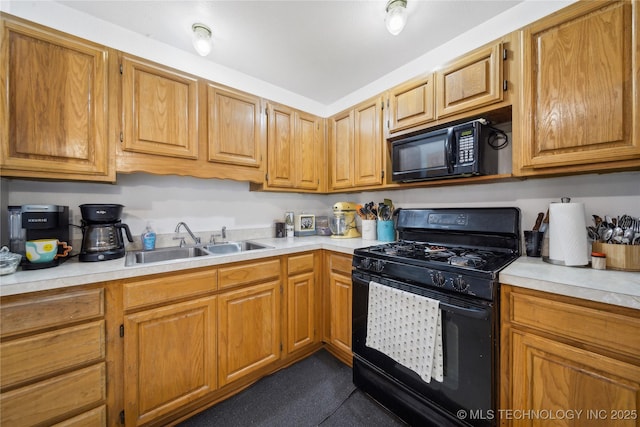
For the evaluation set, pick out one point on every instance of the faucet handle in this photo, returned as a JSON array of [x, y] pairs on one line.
[[182, 242]]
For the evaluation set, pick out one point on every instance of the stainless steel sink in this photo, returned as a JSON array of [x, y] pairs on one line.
[[163, 254], [234, 247], [211, 249]]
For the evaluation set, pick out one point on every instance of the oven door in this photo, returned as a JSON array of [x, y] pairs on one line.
[[469, 352]]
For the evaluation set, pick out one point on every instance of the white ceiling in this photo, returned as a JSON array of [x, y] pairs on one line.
[[321, 50]]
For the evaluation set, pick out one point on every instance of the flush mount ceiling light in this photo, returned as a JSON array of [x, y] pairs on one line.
[[396, 17], [201, 39]]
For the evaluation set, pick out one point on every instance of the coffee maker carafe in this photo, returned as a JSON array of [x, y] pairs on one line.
[[102, 232]]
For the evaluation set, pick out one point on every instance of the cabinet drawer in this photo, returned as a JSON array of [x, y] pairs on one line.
[[340, 263], [42, 354], [53, 398], [598, 327], [167, 288], [94, 418], [248, 273], [39, 312], [299, 263]]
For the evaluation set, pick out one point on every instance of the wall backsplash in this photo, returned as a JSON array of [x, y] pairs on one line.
[[207, 205]]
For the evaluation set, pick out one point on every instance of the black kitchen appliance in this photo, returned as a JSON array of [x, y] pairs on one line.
[[451, 256], [102, 232], [461, 150], [38, 222]]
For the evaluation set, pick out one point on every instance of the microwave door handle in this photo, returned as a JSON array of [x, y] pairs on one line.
[[448, 150]]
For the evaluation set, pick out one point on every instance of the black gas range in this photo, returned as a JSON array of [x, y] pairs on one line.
[[451, 257]]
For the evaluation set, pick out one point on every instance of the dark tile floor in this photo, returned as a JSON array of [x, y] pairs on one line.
[[317, 391]]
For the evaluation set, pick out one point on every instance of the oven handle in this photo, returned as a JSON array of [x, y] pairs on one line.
[[475, 313], [468, 312]]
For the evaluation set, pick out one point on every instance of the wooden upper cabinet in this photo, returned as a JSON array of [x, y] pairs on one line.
[[356, 146], [295, 148], [580, 103], [54, 108], [309, 146], [473, 81], [411, 104], [235, 127], [368, 143], [341, 151], [159, 110], [280, 142]]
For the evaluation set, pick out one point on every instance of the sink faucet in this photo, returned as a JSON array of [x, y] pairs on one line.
[[223, 234], [186, 227]]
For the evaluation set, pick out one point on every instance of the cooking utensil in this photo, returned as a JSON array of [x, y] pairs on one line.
[[538, 223]]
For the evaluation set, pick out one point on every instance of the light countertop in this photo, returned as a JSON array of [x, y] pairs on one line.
[[608, 286], [74, 273]]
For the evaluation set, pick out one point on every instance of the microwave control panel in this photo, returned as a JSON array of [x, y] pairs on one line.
[[466, 152]]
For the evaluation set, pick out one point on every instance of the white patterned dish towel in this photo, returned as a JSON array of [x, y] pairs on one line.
[[408, 328]]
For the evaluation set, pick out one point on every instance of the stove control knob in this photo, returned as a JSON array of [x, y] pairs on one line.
[[365, 263], [438, 279], [459, 284], [378, 266]]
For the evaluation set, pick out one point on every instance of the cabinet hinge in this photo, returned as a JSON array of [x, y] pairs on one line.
[[381, 174], [505, 85], [121, 69], [266, 177], [382, 105], [121, 137], [504, 54], [388, 125], [387, 102], [122, 330], [122, 417], [280, 347]]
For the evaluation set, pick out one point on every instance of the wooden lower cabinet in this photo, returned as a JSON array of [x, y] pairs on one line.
[[571, 357], [169, 358], [338, 306], [53, 358], [249, 330], [302, 295]]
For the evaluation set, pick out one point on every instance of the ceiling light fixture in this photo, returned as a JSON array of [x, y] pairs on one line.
[[201, 39], [396, 17]]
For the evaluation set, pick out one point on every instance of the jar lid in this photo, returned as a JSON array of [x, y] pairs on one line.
[[599, 254]]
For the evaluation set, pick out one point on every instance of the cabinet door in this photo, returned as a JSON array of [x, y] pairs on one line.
[[300, 311], [340, 311], [581, 103], [160, 108], [309, 156], [281, 136], [341, 151], [555, 377], [54, 110], [471, 82], [249, 330], [170, 358], [411, 104], [368, 143], [235, 127]]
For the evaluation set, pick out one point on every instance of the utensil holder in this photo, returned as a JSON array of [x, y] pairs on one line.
[[369, 231], [386, 231], [620, 257]]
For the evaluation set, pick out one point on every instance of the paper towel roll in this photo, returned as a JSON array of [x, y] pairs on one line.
[[567, 236]]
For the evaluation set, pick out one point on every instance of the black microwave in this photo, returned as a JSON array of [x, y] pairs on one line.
[[461, 150]]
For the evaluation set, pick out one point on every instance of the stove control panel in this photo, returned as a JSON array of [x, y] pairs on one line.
[[452, 281]]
